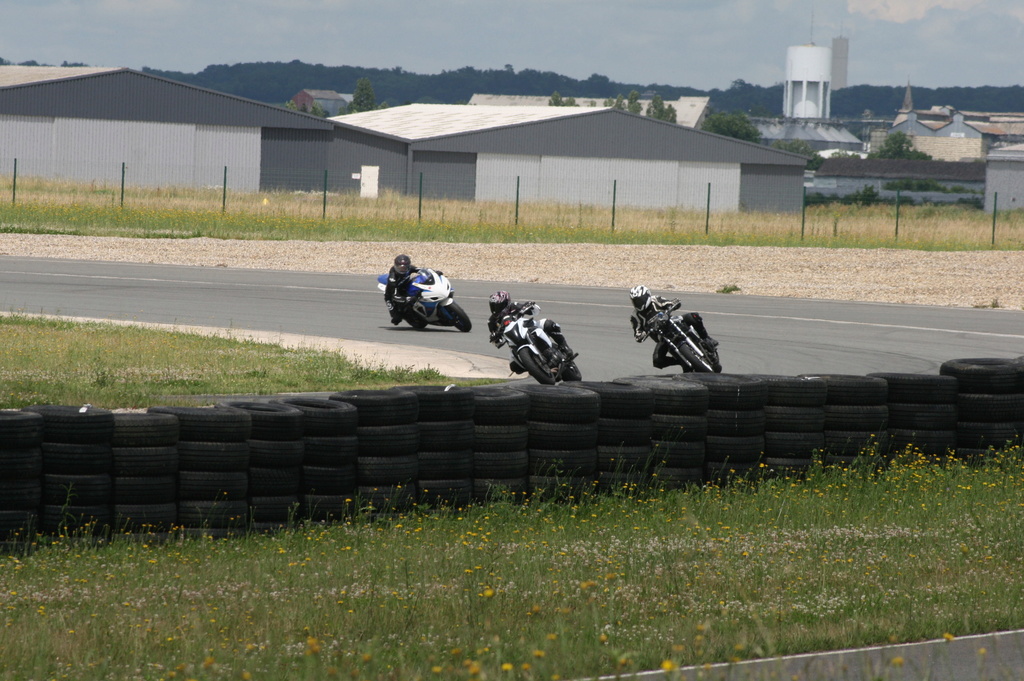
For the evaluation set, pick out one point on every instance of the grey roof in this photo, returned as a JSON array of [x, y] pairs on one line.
[[963, 171], [1014, 152], [22, 75], [326, 94], [689, 110], [424, 121], [810, 132]]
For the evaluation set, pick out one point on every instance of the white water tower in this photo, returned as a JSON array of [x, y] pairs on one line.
[[808, 77]]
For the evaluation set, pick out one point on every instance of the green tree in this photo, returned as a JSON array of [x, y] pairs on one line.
[[734, 124], [800, 147], [363, 98], [657, 110], [318, 110], [899, 145], [633, 104], [557, 100]]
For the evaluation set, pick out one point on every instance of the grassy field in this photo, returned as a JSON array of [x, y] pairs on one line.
[[65, 208], [645, 579]]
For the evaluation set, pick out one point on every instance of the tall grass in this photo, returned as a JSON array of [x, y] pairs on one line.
[[643, 579], [44, 206], [44, 361]]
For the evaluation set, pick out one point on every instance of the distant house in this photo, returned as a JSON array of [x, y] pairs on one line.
[[690, 111], [819, 135], [844, 176], [329, 100]]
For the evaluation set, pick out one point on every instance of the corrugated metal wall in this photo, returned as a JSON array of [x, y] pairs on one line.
[[350, 150], [1005, 177], [446, 175], [771, 189]]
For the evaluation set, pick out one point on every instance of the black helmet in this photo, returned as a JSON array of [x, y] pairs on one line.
[[640, 296], [499, 300], [402, 264]]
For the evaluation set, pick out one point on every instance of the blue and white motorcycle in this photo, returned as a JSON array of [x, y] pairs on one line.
[[432, 301]]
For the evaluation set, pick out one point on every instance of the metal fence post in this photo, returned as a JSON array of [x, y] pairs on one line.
[[224, 192], [14, 184], [122, 183], [323, 215], [896, 237], [615, 185], [995, 204], [803, 214], [420, 217], [707, 212], [517, 200]]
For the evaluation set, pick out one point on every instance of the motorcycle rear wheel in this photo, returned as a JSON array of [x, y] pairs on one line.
[[460, 320], [535, 368], [416, 321]]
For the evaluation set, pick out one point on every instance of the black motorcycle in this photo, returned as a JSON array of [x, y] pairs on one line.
[[534, 349], [694, 353]]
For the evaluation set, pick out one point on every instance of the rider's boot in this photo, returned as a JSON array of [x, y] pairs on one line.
[[515, 367]]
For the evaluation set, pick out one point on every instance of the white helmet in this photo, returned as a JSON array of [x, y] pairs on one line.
[[641, 296]]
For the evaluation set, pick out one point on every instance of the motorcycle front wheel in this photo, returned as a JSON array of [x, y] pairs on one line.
[[535, 368], [460, 320]]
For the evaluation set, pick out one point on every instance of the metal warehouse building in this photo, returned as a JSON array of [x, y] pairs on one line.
[[1004, 179], [592, 156], [89, 124]]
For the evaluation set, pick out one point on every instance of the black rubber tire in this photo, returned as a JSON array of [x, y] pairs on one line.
[[213, 456], [730, 472], [442, 403], [561, 403], [872, 417], [506, 464], [987, 434], [394, 440], [63, 423], [672, 396], [497, 405], [20, 494], [731, 391], [197, 513], [559, 487], [851, 443], [385, 499], [445, 493], [204, 424], [280, 509], [533, 367], [625, 459], [326, 508], [74, 458], [69, 520], [678, 478], [922, 416], [623, 482], [145, 461], [736, 422], [329, 480], [850, 389], [919, 388], [496, 490], [274, 482], [338, 450], [20, 429], [571, 463], [784, 418], [381, 407], [145, 517], [151, 489], [548, 435], [786, 467], [679, 427], [143, 429], [733, 449], [928, 442], [793, 391], [793, 445], [21, 464], [989, 407], [212, 485], [445, 465], [621, 400], [460, 319], [440, 436], [375, 471], [276, 453], [77, 489], [270, 420], [322, 417], [986, 374], [623, 432], [18, 523], [414, 320], [667, 454], [500, 438]]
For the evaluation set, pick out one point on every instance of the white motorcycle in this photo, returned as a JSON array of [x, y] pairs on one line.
[[433, 301], [535, 351]]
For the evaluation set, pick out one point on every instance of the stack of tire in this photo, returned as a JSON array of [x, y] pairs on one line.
[[445, 456], [77, 463], [990, 404], [736, 425], [794, 424], [276, 455], [922, 414], [501, 458], [387, 464], [213, 469], [856, 420], [625, 459], [145, 470], [562, 425], [679, 428], [330, 446], [21, 471]]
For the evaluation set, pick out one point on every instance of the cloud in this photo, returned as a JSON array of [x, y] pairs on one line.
[[902, 11]]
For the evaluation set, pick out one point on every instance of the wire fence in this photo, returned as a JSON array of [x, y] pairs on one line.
[[608, 203]]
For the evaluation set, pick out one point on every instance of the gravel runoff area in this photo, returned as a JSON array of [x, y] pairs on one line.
[[946, 278]]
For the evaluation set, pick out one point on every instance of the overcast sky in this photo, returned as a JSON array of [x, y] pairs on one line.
[[698, 43]]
